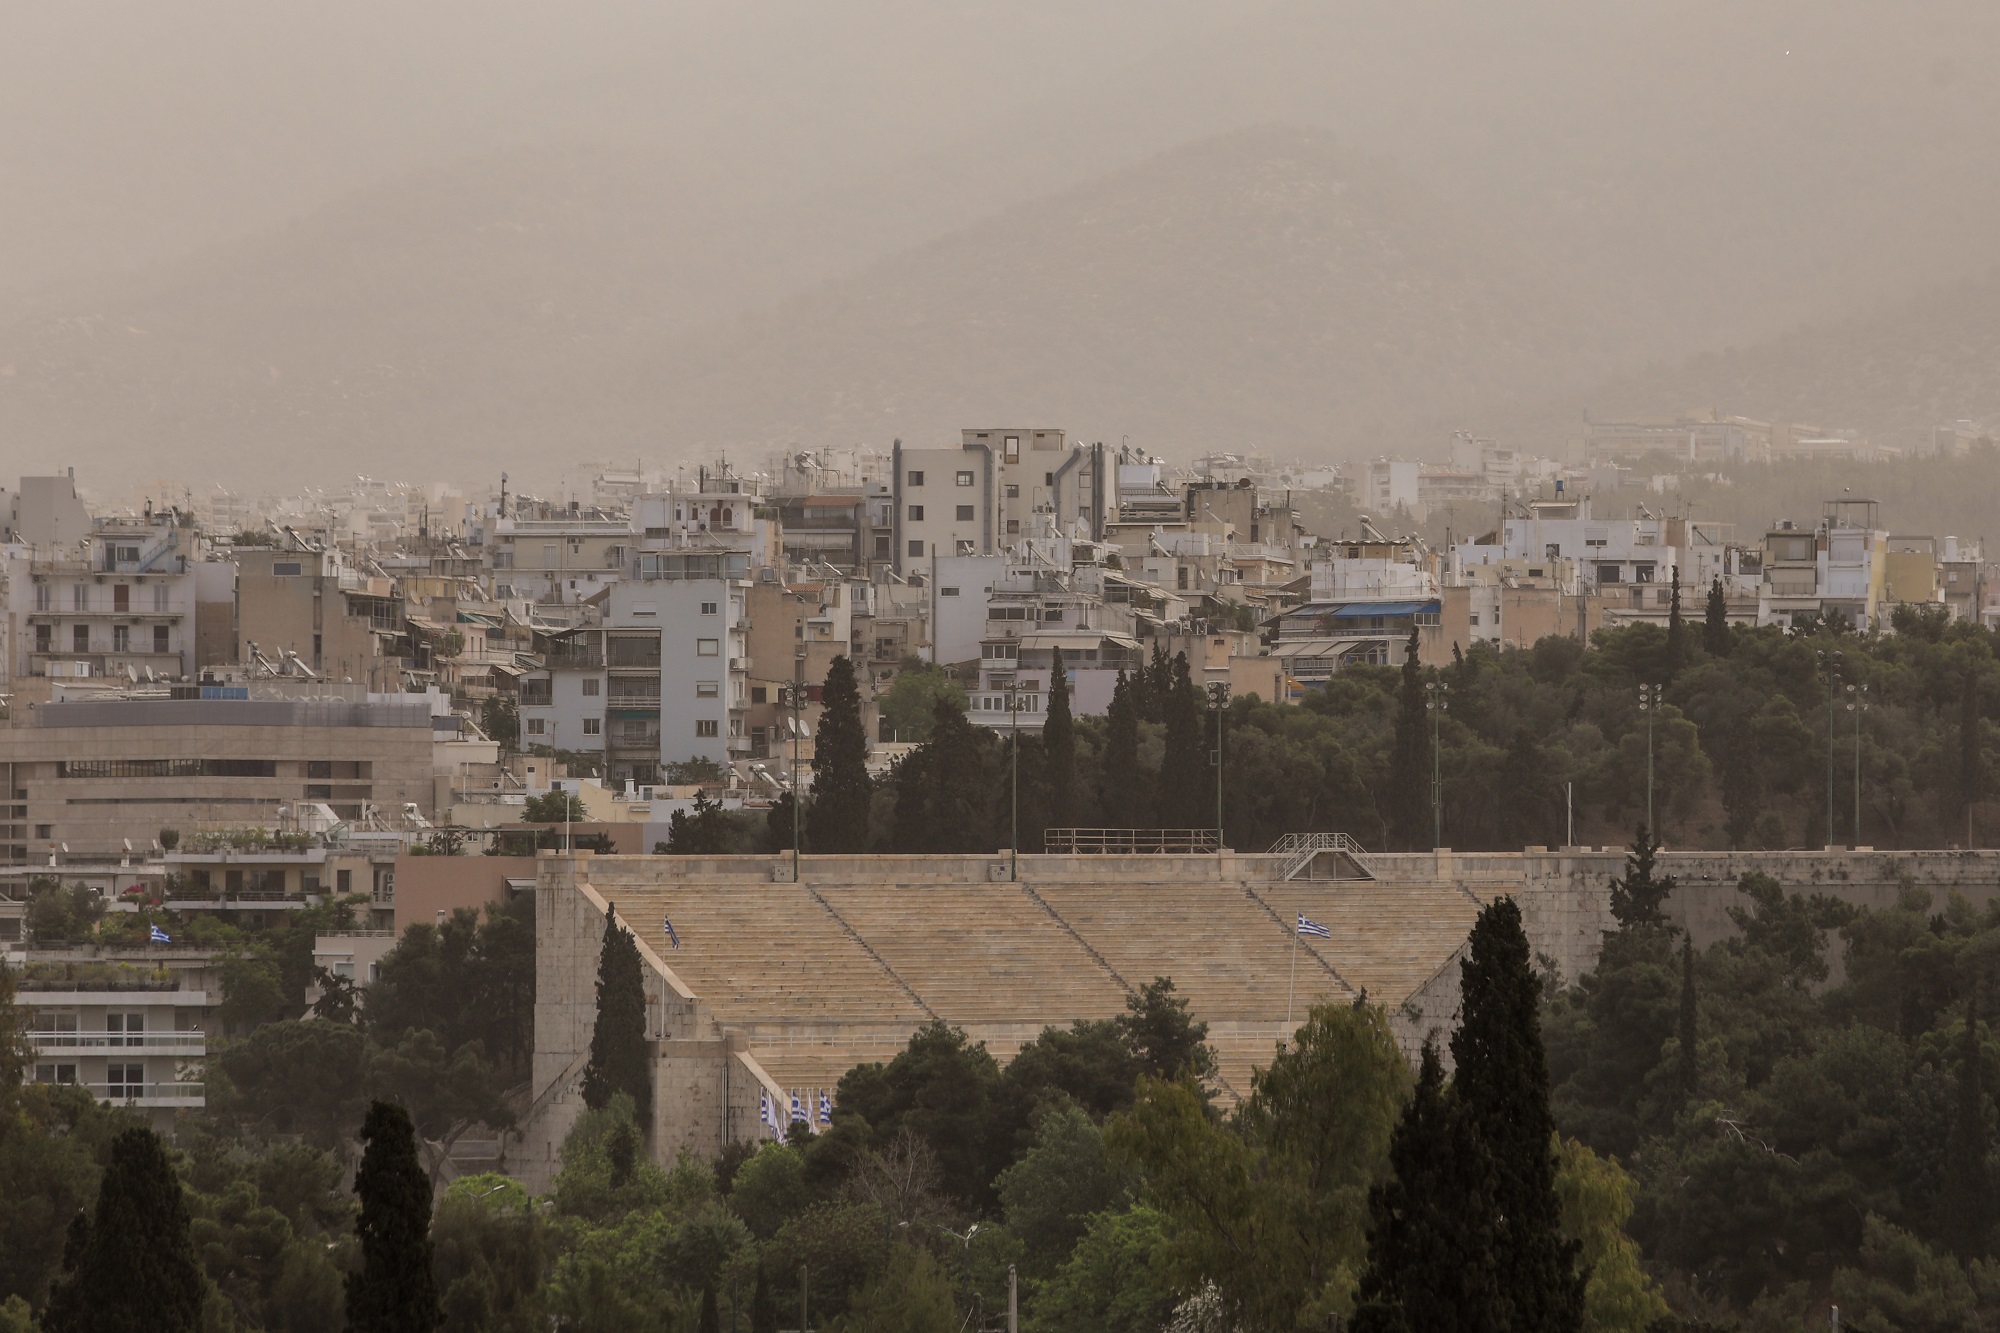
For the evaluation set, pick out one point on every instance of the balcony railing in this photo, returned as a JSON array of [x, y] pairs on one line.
[[149, 1094], [1132, 841], [160, 1043]]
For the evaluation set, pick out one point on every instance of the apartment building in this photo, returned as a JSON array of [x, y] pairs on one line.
[[130, 1034], [1838, 568], [559, 559], [1365, 599], [89, 781], [305, 605], [997, 487], [126, 601]]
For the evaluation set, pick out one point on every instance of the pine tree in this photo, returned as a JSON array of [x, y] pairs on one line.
[[1689, 1027], [1637, 899], [394, 1290], [1715, 621], [133, 1266], [763, 1311], [837, 820], [1409, 761], [1965, 1214], [1122, 796], [1431, 1225], [618, 1041], [1502, 1083], [1184, 777], [1676, 631], [1059, 749]]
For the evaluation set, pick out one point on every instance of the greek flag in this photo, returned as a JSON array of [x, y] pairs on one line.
[[825, 1109], [798, 1113], [1308, 926], [668, 926], [764, 1114], [161, 937]]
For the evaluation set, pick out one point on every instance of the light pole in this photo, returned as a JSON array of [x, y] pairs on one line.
[[1649, 704], [1436, 703], [1857, 704], [1829, 671], [1218, 694], [965, 1240], [1013, 691], [792, 696]]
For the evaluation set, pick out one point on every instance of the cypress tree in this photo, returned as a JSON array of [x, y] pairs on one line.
[[1676, 631], [1121, 797], [1059, 749], [710, 1321], [394, 1290], [1409, 760], [1715, 621], [837, 820], [778, 824], [1026, 803], [133, 1266], [1969, 765], [1964, 1212], [1184, 778], [913, 793], [618, 1041], [763, 1313], [1689, 1028], [1638, 899], [1431, 1241], [959, 769], [1502, 1083]]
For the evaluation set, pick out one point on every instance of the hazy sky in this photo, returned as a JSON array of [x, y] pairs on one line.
[[282, 237]]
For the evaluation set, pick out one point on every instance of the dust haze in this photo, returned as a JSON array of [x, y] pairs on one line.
[[282, 243]]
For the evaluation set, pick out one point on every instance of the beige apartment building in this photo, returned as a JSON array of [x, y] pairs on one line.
[[312, 606], [85, 779]]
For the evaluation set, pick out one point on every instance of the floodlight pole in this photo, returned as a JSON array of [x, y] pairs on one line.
[[1218, 692]]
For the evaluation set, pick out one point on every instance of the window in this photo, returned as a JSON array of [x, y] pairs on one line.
[[965, 547], [121, 597], [1608, 574], [707, 728], [708, 608], [1013, 491], [159, 597], [965, 513], [343, 881], [1642, 573], [121, 638], [44, 597], [537, 726], [79, 637], [55, 1073], [707, 689], [1475, 617], [79, 597], [916, 513], [591, 685], [132, 1024], [916, 478], [45, 638], [965, 479], [160, 639], [286, 568], [947, 592], [124, 1082], [593, 726], [549, 556], [1048, 479], [45, 830], [708, 647], [916, 548], [1013, 527], [759, 694]]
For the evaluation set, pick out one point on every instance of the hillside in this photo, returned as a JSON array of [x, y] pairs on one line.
[[1268, 287]]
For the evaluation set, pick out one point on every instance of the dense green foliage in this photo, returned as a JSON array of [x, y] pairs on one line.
[[837, 820], [130, 1264]]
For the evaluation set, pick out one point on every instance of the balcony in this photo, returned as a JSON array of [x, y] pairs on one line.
[[187, 1095], [94, 1043]]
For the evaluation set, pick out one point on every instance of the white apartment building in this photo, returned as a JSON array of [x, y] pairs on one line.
[[132, 1042], [121, 602], [566, 559], [1839, 567]]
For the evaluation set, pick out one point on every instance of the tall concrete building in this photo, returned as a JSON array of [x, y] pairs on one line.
[[317, 606], [998, 486]]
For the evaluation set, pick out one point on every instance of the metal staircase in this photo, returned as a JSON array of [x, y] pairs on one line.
[[1299, 849]]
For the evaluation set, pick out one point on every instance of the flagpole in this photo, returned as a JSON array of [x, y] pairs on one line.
[[1291, 987]]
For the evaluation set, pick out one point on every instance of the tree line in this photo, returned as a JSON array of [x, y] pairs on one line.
[[1761, 735]]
